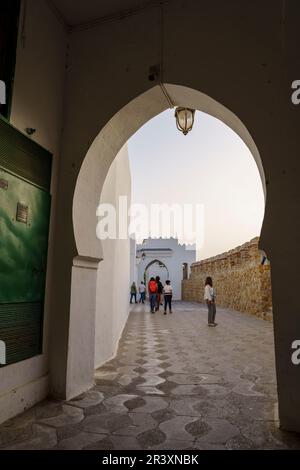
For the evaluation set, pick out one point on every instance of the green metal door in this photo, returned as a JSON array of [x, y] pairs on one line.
[[24, 227]]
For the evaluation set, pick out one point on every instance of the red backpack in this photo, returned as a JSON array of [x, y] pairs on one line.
[[152, 287]]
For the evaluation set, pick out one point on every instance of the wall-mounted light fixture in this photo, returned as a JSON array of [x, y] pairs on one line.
[[185, 118]]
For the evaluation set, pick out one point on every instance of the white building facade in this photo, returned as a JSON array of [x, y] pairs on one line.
[[165, 258]]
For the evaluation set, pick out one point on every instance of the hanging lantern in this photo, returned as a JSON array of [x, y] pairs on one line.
[[185, 119]]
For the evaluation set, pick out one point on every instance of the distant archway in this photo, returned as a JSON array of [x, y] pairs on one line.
[[185, 271], [161, 266]]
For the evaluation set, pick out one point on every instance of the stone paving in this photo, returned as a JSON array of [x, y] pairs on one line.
[[175, 384]]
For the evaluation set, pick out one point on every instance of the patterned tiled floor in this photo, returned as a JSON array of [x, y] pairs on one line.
[[175, 384]]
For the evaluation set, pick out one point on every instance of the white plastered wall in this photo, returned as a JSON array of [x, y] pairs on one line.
[[113, 277]]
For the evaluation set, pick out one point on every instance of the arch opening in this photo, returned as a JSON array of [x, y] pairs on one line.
[[112, 139], [161, 270], [114, 136]]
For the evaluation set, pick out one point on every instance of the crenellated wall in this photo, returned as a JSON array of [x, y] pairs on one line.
[[240, 280]]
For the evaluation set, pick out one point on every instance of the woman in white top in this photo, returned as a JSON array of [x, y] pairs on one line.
[[209, 297], [168, 292], [142, 292]]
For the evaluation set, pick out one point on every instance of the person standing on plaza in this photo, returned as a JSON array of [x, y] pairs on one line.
[[168, 294], [210, 299], [152, 289], [142, 292], [160, 288], [133, 292]]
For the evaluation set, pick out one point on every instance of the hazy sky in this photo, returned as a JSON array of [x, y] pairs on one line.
[[210, 166]]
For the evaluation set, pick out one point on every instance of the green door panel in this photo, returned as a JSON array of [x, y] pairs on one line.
[[21, 328], [23, 157], [25, 174], [23, 246]]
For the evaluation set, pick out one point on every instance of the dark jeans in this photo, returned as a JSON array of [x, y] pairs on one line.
[[152, 298], [158, 300], [211, 312], [133, 296], [168, 301], [142, 297]]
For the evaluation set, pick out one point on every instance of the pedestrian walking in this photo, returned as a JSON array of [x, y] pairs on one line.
[[168, 294], [142, 292], [210, 299], [133, 292], [160, 289], [152, 289]]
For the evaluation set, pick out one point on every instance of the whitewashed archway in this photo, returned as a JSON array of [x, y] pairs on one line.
[[117, 132]]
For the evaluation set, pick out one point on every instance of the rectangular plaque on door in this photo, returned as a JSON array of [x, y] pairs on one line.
[[22, 213]]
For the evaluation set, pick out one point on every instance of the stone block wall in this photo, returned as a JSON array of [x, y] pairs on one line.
[[241, 281]]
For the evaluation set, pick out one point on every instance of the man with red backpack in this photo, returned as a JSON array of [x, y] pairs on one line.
[[152, 289]]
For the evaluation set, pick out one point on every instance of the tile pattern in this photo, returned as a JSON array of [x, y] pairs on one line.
[[175, 384]]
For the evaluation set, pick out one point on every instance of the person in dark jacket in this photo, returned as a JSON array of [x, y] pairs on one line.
[[160, 288], [133, 292]]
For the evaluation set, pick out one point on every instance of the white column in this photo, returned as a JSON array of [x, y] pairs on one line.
[[81, 341]]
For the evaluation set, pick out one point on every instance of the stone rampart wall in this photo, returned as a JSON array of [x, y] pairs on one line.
[[241, 281]]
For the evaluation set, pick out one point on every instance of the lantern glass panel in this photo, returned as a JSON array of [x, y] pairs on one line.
[[185, 119]]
